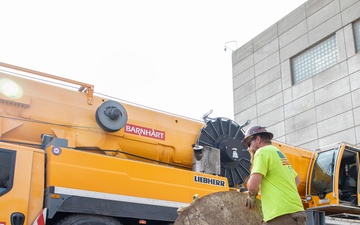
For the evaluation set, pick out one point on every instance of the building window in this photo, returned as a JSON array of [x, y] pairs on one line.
[[357, 35], [314, 60]]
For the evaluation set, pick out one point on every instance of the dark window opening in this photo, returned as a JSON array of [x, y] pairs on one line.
[[357, 35], [323, 173], [7, 165], [348, 176]]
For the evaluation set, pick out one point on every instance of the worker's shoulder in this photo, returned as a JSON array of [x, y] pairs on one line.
[[269, 148], [271, 151]]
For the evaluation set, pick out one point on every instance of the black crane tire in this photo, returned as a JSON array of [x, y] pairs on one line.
[[84, 219]]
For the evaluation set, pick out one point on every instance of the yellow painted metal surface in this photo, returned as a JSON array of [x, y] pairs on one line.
[[331, 203], [299, 159], [49, 109], [125, 162], [27, 192], [88, 171]]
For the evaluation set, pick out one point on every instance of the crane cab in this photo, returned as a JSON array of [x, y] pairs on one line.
[[333, 182]]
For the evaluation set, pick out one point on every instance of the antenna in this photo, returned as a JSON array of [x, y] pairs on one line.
[[226, 47]]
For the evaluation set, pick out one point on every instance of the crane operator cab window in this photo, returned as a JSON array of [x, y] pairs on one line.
[[7, 163], [348, 176], [323, 173]]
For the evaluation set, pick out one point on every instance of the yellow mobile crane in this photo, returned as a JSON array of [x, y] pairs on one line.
[[73, 157]]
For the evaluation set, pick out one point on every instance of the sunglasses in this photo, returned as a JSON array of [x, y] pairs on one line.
[[249, 142]]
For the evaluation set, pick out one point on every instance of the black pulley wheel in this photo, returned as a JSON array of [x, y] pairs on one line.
[[226, 135], [111, 116]]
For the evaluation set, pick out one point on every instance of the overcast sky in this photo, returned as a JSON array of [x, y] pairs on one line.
[[164, 54]]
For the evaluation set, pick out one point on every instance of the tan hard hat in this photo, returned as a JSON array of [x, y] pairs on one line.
[[253, 130]]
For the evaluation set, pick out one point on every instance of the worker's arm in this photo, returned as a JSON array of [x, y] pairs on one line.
[[253, 188], [254, 183], [297, 180]]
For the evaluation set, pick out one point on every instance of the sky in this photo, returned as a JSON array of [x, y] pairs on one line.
[[163, 54]]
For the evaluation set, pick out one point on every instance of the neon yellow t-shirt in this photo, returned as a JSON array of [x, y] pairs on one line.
[[278, 189]]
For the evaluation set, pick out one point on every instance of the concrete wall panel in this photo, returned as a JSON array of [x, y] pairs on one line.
[[243, 65], [300, 121], [267, 64], [278, 130], [353, 64], [325, 29], [340, 39], [323, 14], [357, 135], [241, 53], [330, 75], [346, 136], [286, 74], [357, 116], [248, 114], [299, 105], [243, 77], [349, 40], [294, 48], [268, 77], [270, 104], [293, 34], [266, 50], [265, 37], [303, 136], [269, 90], [292, 19], [272, 117], [335, 124], [311, 146], [313, 6], [332, 91], [287, 96], [303, 88], [245, 103], [347, 3], [244, 90], [355, 98], [334, 107], [355, 81], [350, 14]]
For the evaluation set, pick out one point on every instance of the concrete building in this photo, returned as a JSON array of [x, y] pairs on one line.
[[301, 77]]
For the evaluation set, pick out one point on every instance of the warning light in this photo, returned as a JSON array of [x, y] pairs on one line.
[[57, 196], [142, 221], [10, 89]]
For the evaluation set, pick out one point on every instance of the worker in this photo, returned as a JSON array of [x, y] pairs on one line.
[[273, 176]]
